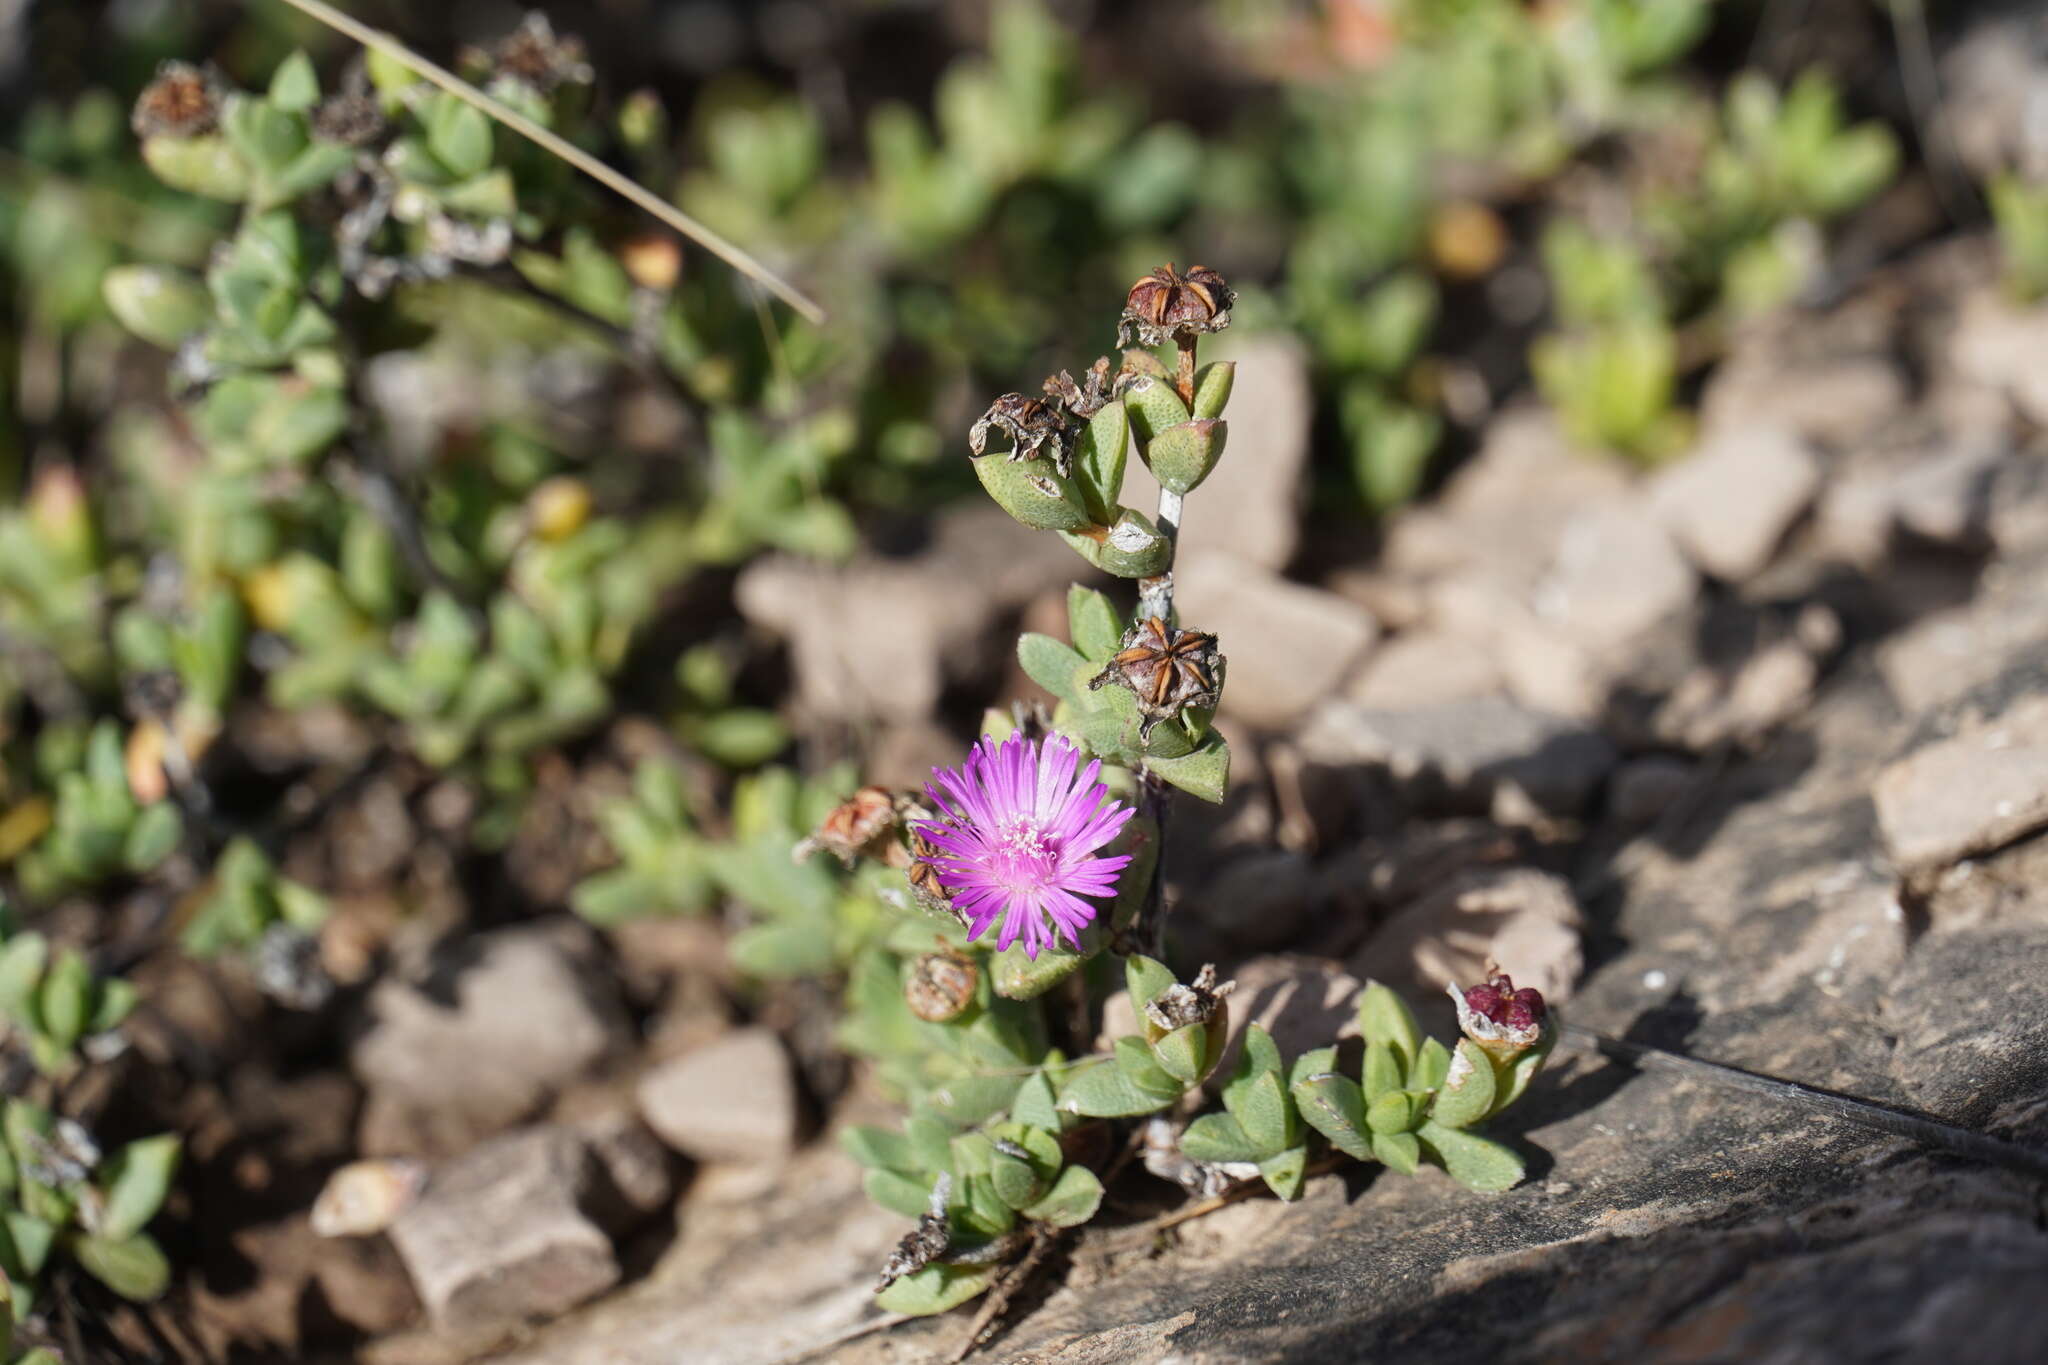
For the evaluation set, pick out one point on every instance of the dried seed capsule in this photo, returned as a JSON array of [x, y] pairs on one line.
[[1085, 397], [1166, 668], [350, 119], [941, 986], [860, 825], [1034, 426], [1501, 1019], [1167, 305], [183, 101], [536, 55]]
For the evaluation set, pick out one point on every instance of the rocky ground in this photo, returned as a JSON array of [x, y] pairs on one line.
[[1742, 758]]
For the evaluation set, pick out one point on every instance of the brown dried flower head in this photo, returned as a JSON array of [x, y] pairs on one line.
[[1166, 668], [536, 55], [1035, 427], [941, 986], [349, 118], [923, 876], [1197, 1002], [183, 101], [1085, 398], [859, 826], [1170, 306]]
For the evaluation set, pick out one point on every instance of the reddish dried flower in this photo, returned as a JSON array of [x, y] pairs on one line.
[[858, 826], [1170, 306], [1166, 668], [534, 54], [1500, 1018], [941, 986], [1032, 424], [183, 101]]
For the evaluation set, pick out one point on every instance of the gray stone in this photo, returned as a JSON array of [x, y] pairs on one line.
[[500, 1236], [880, 637], [637, 1181], [1424, 667], [1249, 508], [1972, 792], [481, 1039], [1463, 753], [1837, 401], [1617, 573], [1947, 653], [1288, 645], [731, 1100], [1997, 344], [1730, 503]]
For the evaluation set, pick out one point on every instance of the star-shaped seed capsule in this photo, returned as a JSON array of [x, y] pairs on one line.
[[1166, 668]]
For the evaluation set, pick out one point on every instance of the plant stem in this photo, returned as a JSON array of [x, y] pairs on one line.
[[604, 175]]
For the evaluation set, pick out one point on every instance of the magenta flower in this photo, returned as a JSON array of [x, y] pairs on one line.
[[1016, 842]]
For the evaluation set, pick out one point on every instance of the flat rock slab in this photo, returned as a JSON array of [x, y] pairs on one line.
[[500, 1235], [1730, 503], [731, 1100], [1665, 1218], [1969, 793]]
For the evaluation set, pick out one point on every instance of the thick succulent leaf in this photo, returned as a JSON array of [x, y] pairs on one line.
[[1101, 1090], [1383, 1071], [1071, 1201], [1401, 1151], [1205, 773], [1466, 1095], [1055, 667], [878, 1148], [1218, 1138], [1092, 622], [1145, 978], [1512, 1078], [1183, 1053], [1472, 1160], [1432, 1066], [1393, 1112], [135, 1183], [1285, 1172], [133, 1267], [1036, 1105], [936, 1288], [898, 1193], [1334, 1107], [1384, 1017]]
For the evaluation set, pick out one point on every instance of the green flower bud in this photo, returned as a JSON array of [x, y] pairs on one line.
[[161, 305], [1181, 457], [1212, 388]]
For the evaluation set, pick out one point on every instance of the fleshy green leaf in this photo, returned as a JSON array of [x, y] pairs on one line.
[[1472, 1160], [1401, 1151], [294, 87], [1432, 1066], [1182, 1052], [897, 1192], [1383, 1072], [1036, 1105], [135, 1182], [133, 1267], [1212, 388], [935, 1289], [1100, 453], [1145, 978], [1204, 773], [1103, 1091], [1218, 1138], [1054, 666], [1384, 1017], [1334, 1107], [878, 1148], [1020, 977], [1153, 407], [1071, 1201], [1093, 624], [1393, 1112], [1285, 1172], [1466, 1095]]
